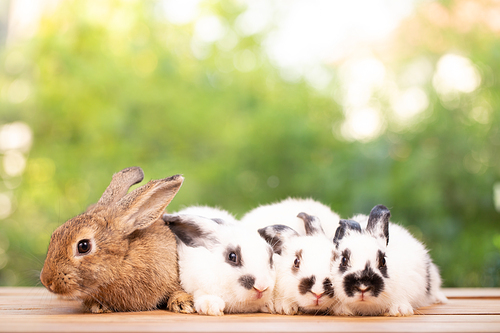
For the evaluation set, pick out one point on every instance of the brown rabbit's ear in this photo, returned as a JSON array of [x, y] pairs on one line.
[[120, 184], [144, 205]]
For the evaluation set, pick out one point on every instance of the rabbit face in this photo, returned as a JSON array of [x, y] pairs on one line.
[[305, 267]]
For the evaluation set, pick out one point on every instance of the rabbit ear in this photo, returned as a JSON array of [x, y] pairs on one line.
[[344, 228], [144, 205], [312, 224], [378, 222], [277, 235], [194, 230], [120, 184]]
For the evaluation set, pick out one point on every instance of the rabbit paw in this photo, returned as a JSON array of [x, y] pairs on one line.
[[95, 307], [288, 309], [181, 302], [342, 311], [210, 305], [399, 310]]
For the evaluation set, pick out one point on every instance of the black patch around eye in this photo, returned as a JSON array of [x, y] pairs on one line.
[[233, 256], [344, 260], [296, 262], [306, 284], [247, 281], [328, 287], [382, 264]]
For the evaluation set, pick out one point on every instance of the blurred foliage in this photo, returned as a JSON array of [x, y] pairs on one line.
[[119, 86]]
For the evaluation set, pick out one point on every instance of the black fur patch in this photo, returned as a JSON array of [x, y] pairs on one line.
[[367, 277], [276, 234], [344, 226], [328, 287], [345, 254], [378, 221], [306, 284], [237, 251], [271, 263], [247, 281], [428, 276], [219, 221], [311, 224], [382, 268], [188, 233]]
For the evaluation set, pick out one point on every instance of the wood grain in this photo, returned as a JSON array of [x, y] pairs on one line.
[[36, 310]]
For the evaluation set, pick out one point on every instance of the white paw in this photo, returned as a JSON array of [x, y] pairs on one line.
[[402, 309], [342, 311], [209, 305], [286, 309]]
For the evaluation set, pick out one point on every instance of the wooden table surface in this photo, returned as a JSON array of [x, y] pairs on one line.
[[36, 310]]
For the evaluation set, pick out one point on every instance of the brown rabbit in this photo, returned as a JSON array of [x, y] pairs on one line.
[[119, 255]]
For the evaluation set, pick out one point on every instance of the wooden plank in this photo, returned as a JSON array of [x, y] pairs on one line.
[[36, 310], [472, 292]]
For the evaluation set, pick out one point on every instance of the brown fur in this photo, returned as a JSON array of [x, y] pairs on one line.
[[132, 265]]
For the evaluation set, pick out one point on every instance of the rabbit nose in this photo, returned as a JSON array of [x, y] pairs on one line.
[[259, 292], [318, 296]]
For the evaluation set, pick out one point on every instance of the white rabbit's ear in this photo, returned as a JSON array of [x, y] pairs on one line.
[[345, 228], [277, 235], [194, 230], [144, 205], [378, 222], [312, 224]]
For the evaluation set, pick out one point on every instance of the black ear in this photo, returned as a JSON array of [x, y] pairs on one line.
[[312, 224], [345, 226], [378, 222], [276, 235], [193, 230]]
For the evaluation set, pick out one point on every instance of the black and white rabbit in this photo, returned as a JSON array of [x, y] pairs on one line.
[[227, 267], [303, 268], [382, 275]]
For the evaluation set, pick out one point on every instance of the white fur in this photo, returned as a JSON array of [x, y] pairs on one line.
[[211, 280], [286, 211], [407, 262]]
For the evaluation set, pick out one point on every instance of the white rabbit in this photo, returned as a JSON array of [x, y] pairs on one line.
[[285, 212], [378, 275], [303, 268], [227, 267]]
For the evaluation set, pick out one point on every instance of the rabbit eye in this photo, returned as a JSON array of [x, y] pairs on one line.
[[345, 261], [232, 257], [84, 246], [382, 262], [296, 262]]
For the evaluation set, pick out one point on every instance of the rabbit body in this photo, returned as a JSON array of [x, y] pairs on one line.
[[382, 275], [119, 255]]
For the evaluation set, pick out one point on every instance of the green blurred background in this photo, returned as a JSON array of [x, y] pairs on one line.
[[351, 103]]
